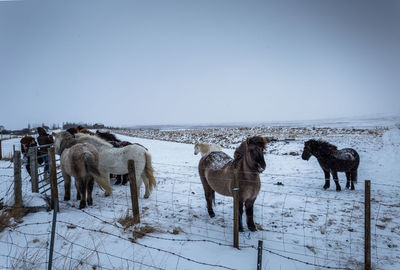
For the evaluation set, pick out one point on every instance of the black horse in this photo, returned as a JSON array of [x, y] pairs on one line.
[[333, 160]]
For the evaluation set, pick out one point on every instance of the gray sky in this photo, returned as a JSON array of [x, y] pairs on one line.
[[188, 62]]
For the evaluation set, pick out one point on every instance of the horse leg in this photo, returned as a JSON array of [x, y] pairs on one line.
[[240, 216], [146, 185], [249, 215], [78, 193], [67, 186], [348, 179], [82, 190], [124, 179], [118, 179], [327, 179], [209, 193], [336, 179], [90, 183], [353, 179]]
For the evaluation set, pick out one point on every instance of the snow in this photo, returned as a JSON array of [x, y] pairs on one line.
[[296, 219]]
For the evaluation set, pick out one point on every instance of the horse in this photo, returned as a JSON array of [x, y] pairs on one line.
[[81, 161], [333, 160], [205, 148], [115, 160], [111, 138], [217, 169]]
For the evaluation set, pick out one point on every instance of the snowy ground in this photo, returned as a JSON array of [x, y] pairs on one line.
[[301, 224]]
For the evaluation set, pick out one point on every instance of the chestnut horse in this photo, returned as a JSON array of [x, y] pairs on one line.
[[216, 171]]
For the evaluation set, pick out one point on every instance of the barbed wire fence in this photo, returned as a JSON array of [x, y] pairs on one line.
[[304, 225]]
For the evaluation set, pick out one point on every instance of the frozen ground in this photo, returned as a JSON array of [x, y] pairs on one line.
[[301, 224]]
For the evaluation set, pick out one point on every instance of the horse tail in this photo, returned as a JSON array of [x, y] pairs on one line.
[[92, 168], [357, 162], [148, 169]]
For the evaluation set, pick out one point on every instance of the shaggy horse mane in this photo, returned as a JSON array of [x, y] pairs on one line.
[[93, 139], [321, 145], [241, 149], [107, 136]]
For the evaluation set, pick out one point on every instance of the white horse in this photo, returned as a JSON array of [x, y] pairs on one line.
[[205, 148], [115, 161]]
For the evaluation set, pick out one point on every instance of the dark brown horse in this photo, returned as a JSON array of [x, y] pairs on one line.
[[216, 171], [333, 160]]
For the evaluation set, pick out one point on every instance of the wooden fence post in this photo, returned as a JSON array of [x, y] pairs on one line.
[[134, 191], [53, 178], [17, 179], [34, 169], [1, 151], [235, 191], [367, 227]]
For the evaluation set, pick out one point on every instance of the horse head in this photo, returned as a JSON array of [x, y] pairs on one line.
[[318, 148], [62, 140], [252, 152], [196, 148], [307, 150]]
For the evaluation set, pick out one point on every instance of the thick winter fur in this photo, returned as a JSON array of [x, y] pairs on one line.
[[115, 160], [216, 171], [205, 148], [81, 161], [333, 160]]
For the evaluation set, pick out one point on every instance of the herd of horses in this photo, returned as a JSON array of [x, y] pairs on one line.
[[89, 157]]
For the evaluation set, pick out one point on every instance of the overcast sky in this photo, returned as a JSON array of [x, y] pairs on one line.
[[190, 62]]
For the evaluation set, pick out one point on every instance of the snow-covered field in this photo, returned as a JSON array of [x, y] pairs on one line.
[[302, 225]]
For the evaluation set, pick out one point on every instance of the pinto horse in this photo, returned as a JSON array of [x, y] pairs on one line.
[[217, 169], [333, 160]]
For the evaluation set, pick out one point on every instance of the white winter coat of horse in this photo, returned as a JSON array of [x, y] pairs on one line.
[[115, 161]]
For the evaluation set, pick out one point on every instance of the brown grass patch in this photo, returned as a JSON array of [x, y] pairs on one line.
[[17, 213], [127, 220], [141, 232], [8, 157], [177, 230]]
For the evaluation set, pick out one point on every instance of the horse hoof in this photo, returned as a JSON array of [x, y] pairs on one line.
[[325, 187], [253, 229], [66, 198], [211, 213], [146, 196], [241, 229], [352, 188], [82, 205], [338, 189], [90, 202]]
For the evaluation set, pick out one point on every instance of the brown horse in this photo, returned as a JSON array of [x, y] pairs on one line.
[[81, 161], [216, 171]]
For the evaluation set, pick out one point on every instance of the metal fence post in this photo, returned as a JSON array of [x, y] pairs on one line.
[[235, 191], [53, 177], [134, 191], [259, 256], [53, 232], [17, 179], [1, 151], [367, 227], [34, 169]]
